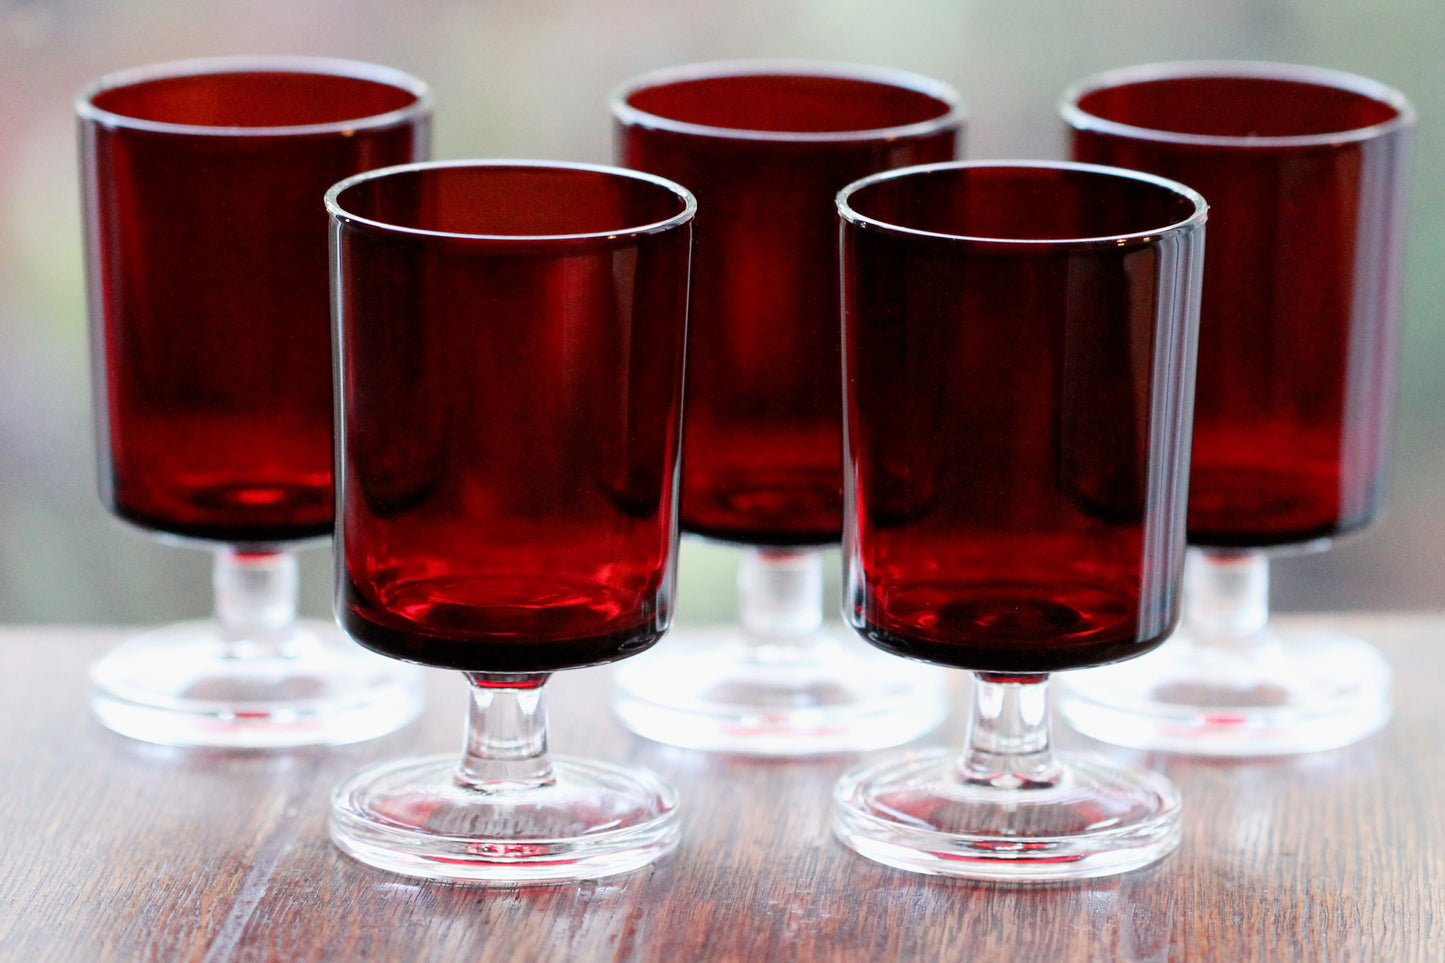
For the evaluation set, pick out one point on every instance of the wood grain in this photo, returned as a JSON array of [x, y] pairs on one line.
[[114, 850]]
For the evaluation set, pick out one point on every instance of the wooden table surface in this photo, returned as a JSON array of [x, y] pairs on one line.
[[114, 850]]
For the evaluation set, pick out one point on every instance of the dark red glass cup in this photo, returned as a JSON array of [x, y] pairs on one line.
[[1018, 364], [1304, 170], [510, 340], [207, 263], [765, 146]]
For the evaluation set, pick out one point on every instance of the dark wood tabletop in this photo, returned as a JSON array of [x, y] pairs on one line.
[[115, 850]]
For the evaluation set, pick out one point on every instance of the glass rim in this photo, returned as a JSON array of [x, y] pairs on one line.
[[341, 215], [1322, 77], [421, 104], [851, 216], [954, 116]]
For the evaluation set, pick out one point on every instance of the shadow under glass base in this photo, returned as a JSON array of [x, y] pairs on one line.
[[413, 817], [183, 686], [1289, 691], [917, 813], [829, 692]]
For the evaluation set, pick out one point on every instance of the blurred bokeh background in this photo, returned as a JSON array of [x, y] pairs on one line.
[[530, 79]]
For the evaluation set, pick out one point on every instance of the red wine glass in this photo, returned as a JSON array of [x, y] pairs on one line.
[[209, 306], [1018, 361], [765, 146], [1304, 170], [510, 360]]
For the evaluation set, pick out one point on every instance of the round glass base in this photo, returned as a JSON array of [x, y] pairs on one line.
[[1296, 691], [182, 686], [917, 813], [413, 817], [713, 690]]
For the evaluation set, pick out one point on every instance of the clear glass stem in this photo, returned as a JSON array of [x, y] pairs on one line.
[[1008, 736], [506, 742], [780, 602], [1226, 599], [256, 595]]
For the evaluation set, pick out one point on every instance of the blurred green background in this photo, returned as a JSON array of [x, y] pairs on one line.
[[530, 79]]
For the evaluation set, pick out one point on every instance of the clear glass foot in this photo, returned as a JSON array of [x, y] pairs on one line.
[[915, 814], [780, 684], [1007, 808], [508, 812], [181, 686], [715, 690], [1231, 684], [1297, 692], [412, 817], [255, 677]]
